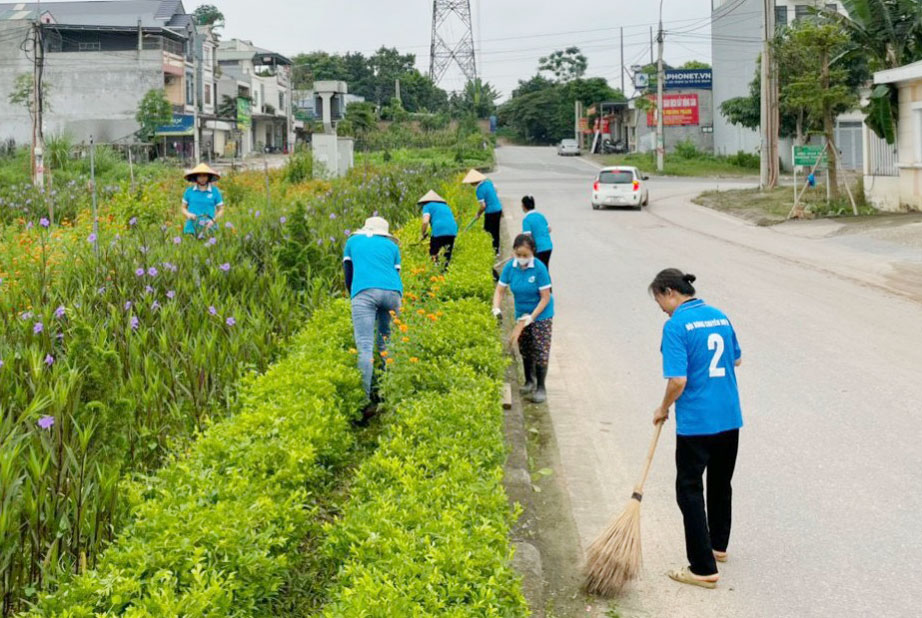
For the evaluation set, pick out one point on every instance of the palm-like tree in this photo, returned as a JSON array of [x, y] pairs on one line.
[[888, 33]]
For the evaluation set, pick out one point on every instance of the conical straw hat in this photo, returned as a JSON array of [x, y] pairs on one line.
[[199, 170], [473, 177], [432, 196]]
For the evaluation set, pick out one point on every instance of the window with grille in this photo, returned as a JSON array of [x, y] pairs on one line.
[[781, 16], [801, 11]]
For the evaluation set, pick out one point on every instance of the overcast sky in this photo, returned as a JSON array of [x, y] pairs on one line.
[[511, 34]]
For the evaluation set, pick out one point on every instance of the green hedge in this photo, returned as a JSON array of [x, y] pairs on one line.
[[215, 529], [426, 530]]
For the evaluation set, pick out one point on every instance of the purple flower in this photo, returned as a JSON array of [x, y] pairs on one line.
[[134, 322], [171, 294], [46, 422], [133, 221], [230, 321], [1, 363], [101, 290], [148, 289], [347, 232], [225, 267], [212, 310], [39, 327], [44, 222], [155, 306], [29, 225], [139, 272], [128, 305], [152, 271], [374, 214], [49, 360], [143, 249], [229, 225], [59, 312], [282, 220], [256, 214], [27, 315], [211, 241], [91, 238], [332, 216], [177, 240], [332, 240]]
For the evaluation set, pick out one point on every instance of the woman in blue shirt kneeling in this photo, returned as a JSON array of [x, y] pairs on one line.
[[371, 263], [700, 357], [202, 204], [437, 215], [535, 224], [528, 280]]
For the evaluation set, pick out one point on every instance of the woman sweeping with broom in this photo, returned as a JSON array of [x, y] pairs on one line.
[[700, 354]]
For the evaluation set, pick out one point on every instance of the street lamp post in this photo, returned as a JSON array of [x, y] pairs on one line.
[[660, 79]]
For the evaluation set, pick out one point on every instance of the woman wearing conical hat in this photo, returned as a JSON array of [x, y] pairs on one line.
[[438, 216], [202, 203], [490, 206]]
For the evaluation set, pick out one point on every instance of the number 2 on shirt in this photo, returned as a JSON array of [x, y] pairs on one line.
[[716, 344]]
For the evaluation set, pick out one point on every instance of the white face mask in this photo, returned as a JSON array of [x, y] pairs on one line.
[[526, 263]]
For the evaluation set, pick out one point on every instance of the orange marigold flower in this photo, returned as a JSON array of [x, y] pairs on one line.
[[384, 354], [413, 359], [404, 328], [421, 311], [353, 351], [406, 340], [390, 361], [432, 317]]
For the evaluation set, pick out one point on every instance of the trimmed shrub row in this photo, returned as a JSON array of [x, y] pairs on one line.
[[425, 532]]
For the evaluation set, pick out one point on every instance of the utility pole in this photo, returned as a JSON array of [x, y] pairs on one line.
[[651, 44], [397, 90], [38, 138], [197, 66], [622, 60], [768, 159], [660, 83]]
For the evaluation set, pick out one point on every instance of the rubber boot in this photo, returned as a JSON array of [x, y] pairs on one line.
[[529, 367], [540, 394]]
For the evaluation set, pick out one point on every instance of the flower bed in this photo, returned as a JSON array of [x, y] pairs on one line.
[[119, 345], [214, 530]]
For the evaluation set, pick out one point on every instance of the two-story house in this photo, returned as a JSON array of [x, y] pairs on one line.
[[260, 80]]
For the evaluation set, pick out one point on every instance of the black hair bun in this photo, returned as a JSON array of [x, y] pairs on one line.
[[689, 278]]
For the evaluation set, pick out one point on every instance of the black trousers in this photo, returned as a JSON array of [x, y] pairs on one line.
[[436, 243], [491, 224], [545, 257], [707, 530]]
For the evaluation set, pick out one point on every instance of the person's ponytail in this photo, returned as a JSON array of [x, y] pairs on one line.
[[673, 279]]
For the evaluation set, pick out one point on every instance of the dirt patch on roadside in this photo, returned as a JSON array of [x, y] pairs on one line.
[[762, 209]]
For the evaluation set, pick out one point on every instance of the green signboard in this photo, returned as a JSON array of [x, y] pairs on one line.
[[809, 155], [244, 115]]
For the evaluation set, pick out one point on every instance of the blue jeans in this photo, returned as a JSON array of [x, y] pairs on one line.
[[368, 308]]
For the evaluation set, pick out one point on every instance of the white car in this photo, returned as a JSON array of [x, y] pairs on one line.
[[568, 147], [620, 186]]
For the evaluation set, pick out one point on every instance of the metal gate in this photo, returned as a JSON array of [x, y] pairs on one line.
[[849, 143]]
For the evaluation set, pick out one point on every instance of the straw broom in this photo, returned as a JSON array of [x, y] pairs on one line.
[[615, 558]]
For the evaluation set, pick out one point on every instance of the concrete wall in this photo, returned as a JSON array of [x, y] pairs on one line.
[[734, 63], [910, 148], [92, 93]]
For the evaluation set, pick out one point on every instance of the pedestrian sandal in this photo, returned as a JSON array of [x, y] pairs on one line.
[[684, 576]]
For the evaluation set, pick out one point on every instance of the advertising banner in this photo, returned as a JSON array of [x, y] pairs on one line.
[[244, 114], [679, 110]]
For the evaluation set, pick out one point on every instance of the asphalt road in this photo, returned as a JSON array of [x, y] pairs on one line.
[[828, 489]]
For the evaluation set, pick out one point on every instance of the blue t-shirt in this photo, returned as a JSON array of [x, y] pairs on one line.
[[441, 219], [486, 193], [201, 203], [699, 344], [535, 224], [526, 285], [375, 263]]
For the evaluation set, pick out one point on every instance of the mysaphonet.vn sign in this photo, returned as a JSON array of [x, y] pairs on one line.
[[679, 110]]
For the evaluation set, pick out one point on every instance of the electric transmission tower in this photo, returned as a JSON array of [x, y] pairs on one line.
[[451, 18]]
